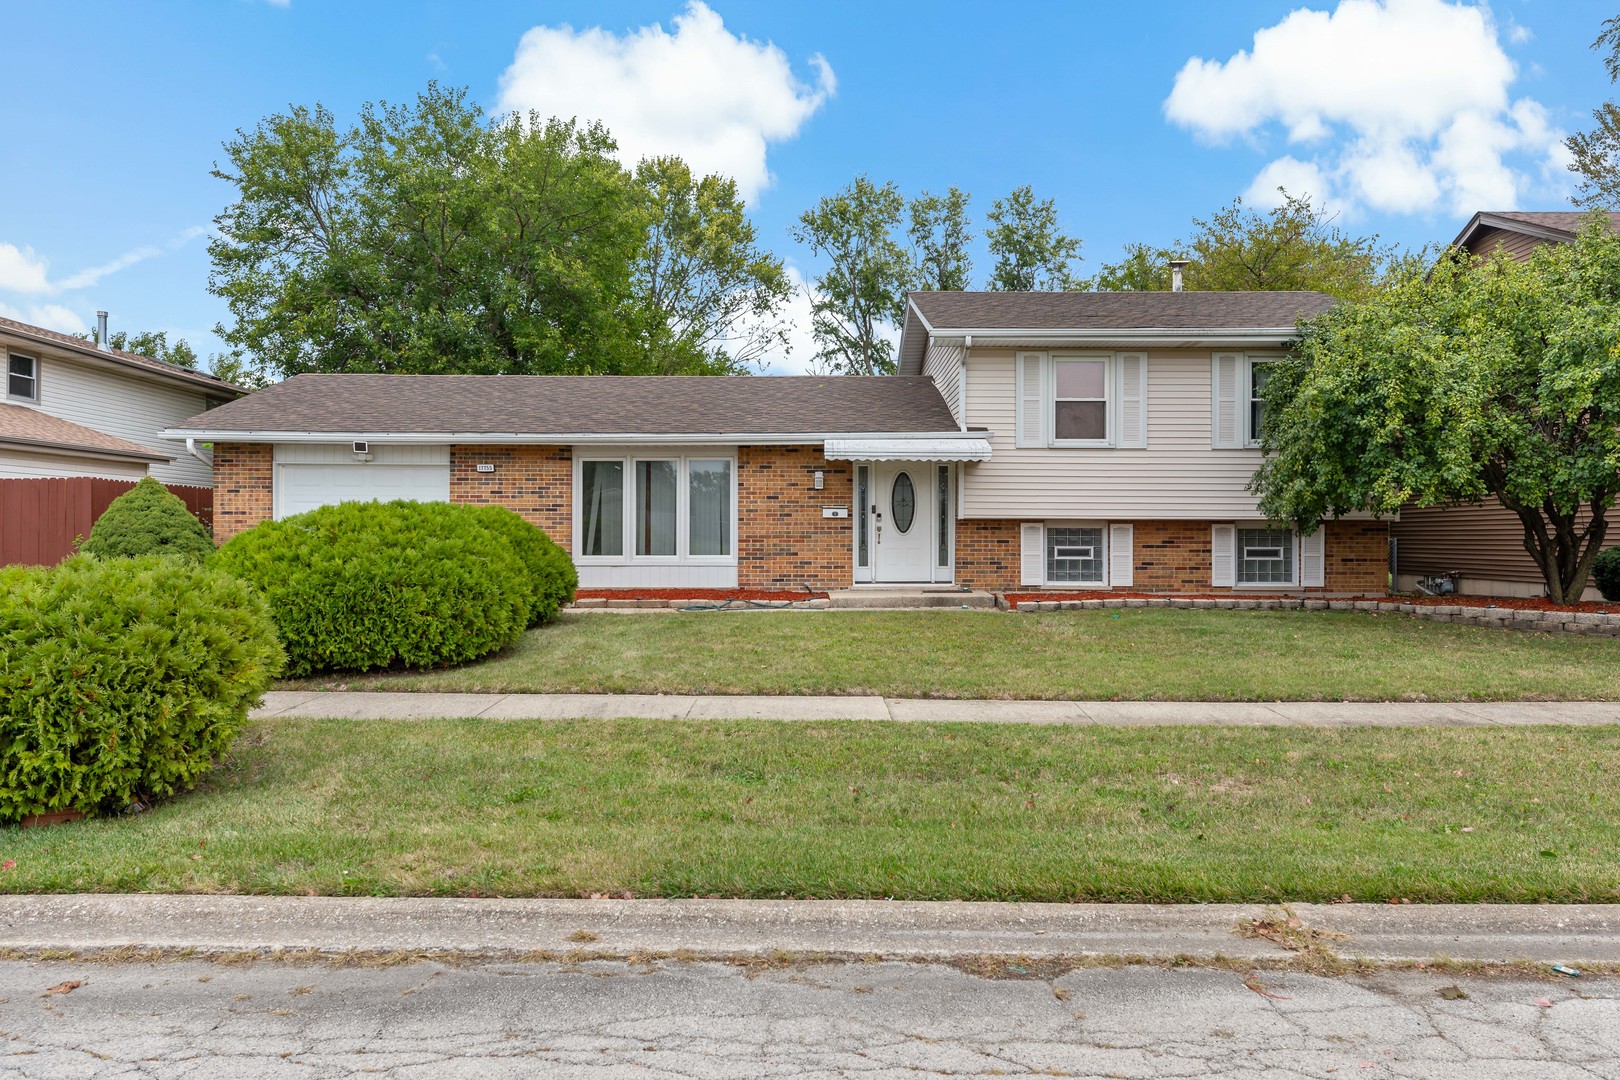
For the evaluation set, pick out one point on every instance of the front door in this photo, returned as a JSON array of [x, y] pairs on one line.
[[903, 521]]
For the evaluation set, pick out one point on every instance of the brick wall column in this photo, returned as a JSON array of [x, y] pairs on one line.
[[782, 539], [244, 475], [535, 482]]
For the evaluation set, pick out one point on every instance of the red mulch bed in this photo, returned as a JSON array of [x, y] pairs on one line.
[[1525, 603], [698, 594]]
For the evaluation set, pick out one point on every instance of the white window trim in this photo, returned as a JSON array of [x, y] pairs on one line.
[[1110, 399], [1295, 570], [1102, 555], [17, 398], [1251, 438], [683, 457]]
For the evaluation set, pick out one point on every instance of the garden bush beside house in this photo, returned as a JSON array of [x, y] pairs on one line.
[[148, 519], [122, 678], [1606, 573], [551, 572], [360, 586]]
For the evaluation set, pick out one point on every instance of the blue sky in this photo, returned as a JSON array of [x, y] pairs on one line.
[[1402, 114]]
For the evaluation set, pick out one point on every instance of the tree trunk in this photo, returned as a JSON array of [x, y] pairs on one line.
[[1562, 550]]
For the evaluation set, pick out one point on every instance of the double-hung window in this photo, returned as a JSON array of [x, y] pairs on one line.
[[658, 508], [22, 378], [1259, 371], [1265, 557], [1080, 401]]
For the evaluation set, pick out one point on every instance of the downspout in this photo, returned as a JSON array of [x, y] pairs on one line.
[[191, 448], [961, 382]]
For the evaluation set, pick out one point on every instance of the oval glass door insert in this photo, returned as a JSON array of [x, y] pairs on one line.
[[903, 502]]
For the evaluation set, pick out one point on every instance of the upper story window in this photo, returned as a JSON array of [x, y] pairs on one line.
[[22, 378], [1259, 371], [1237, 400], [1081, 400]]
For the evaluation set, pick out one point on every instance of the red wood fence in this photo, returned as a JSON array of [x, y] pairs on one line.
[[41, 519]]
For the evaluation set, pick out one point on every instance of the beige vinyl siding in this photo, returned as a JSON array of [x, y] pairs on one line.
[[943, 363], [1178, 475], [17, 463], [1517, 244], [1482, 542], [127, 406]]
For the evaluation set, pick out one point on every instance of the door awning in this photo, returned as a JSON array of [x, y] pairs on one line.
[[907, 449]]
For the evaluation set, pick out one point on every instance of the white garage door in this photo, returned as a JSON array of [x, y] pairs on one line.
[[304, 487]]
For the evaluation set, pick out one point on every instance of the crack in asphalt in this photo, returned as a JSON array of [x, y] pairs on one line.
[[703, 1021]]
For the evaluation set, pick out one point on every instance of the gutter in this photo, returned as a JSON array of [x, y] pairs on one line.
[[81, 450], [486, 438]]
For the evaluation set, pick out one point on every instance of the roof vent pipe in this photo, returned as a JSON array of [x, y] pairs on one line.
[[1176, 267], [101, 331]]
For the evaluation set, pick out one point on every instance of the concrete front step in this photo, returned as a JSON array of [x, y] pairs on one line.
[[911, 598]]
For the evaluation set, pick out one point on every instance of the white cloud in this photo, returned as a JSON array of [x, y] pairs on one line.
[[87, 278], [716, 98], [1404, 106], [22, 271], [50, 316]]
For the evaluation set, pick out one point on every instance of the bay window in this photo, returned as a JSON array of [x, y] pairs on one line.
[[679, 509]]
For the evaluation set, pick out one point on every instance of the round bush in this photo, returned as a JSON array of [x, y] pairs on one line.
[[1606, 573], [148, 519], [552, 576], [359, 586], [121, 678]]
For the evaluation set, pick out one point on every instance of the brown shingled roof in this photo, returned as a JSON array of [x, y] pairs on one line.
[[585, 405], [88, 348], [1565, 221], [22, 425], [1117, 310]]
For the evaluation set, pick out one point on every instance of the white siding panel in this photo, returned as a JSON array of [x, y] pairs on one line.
[[128, 407], [687, 576], [943, 364], [343, 454], [1176, 477], [40, 466]]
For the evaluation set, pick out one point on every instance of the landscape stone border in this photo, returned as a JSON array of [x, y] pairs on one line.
[[1574, 622]]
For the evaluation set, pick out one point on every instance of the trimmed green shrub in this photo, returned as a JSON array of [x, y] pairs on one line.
[[148, 519], [359, 586], [551, 572], [1606, 573], [122, 678]]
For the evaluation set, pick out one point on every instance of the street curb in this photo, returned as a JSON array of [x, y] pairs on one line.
[[764, 929]]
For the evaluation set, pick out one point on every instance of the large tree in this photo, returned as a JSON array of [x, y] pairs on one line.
[[1294, 245], [939, 241], [860, 297], [1461, 382], [427, 238], [713, 292], [1031, 252], [1595, 154], [152, 343]]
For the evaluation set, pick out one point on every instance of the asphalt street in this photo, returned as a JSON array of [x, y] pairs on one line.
[[707, 1020]]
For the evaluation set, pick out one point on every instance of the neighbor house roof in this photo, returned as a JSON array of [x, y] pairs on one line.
[[1148, 318], [30, 428], [119, 358], [536, 407], [1555, 225]]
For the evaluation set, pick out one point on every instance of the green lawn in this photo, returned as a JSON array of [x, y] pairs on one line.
[[462, 807], [1132, 653]]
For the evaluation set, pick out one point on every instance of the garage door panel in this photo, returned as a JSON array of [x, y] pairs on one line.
[[305, 487]]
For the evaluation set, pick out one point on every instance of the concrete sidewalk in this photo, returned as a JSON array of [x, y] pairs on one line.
[[853, 929], [386, 705]]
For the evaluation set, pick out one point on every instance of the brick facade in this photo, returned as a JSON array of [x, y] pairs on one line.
[[1174, 557], [782, 539], [243, 487], [536, 482]]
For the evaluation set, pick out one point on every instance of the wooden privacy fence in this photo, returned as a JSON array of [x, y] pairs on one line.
[[41, 519]]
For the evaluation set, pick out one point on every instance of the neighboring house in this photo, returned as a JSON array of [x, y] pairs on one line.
[[1484, 544], [1062, 440], [72, 409]]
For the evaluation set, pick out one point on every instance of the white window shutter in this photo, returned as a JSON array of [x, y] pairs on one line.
[[1133, 401], [1031, 400], [1225, 415], [1223, 556], [1032, 553], [1313, 558], [1121, 554]]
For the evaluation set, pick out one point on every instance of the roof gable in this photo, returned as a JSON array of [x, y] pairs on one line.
[[199, 380]]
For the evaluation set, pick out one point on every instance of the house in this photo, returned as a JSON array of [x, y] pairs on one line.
[[1484, 544], [72, 408], [1029, 440], [79, 424]]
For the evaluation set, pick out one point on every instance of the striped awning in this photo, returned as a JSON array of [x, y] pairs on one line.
[[907, 449]]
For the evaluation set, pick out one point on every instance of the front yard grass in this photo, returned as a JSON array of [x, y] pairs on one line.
[[760, 809], [1131, 653]]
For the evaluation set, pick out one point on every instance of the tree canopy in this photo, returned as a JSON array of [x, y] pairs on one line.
[[430, 238], [1595, 154], [1470, 381], [1294, 245], [1031, 252]]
